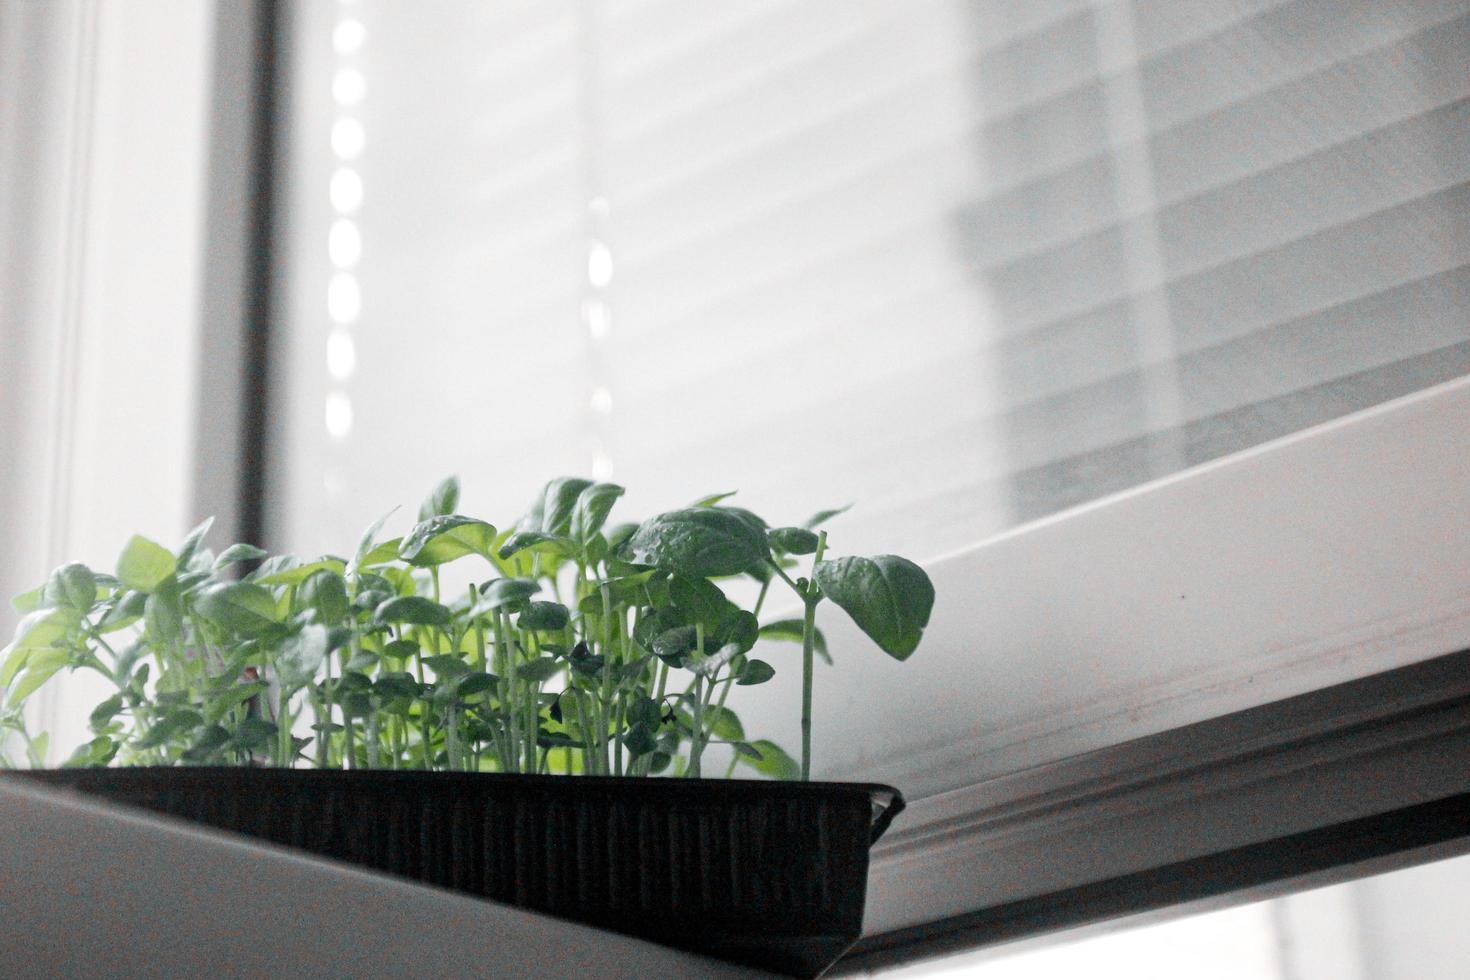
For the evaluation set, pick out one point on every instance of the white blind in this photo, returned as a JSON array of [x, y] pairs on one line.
[[966, 263]]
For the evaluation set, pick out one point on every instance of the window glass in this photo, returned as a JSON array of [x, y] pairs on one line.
[[966, 263]]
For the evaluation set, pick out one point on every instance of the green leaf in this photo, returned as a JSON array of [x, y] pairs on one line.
[[380, 555], [397, 685], [365, 543], [414, 609], [193, 540], [773, 761], [889, 597], [552, 513], [714, 498], [98, 752], [699, 541], [724, 723], [544, 616], [756, 672], [72, 585], [163, 616], [297, 574], [639, 740], [446, 666], [793, 540], [237, 553], [710, 666], [443, 539], [471, 685], [209, 741], [243, 608], [504, 592], [222, 703], [145, 565], [442, 500], [326, 592], [105, 712], [29, 602], [126, 609], [176, 722], [699, 600], [590, 511], [300, 656], [747, 750], [789, 630], [40, 667], [672, 646], [540, 670], [522, 540], [823, 516]]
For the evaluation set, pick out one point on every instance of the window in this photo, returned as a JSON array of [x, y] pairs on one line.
[[1145, 321]]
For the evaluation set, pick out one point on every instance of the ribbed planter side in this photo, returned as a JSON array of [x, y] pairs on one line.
[[769, 874]]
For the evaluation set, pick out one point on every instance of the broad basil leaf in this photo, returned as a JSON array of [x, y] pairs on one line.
[[300, 656], [793, 540], [72, 585], [771, 760], [145, 565], [445, 538], [544, 616], [416, 610], [700, 541], [889, 597], [240, 607]]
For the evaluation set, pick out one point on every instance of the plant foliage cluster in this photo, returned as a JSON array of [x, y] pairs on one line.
[[590, 648]]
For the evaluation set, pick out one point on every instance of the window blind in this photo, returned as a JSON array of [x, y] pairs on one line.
[[966, 263]]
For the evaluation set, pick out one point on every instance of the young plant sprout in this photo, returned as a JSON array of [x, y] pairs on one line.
[[588, 648]]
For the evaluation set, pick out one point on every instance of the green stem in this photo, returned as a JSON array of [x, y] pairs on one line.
[[810, 598], [283, 731], [696, 746]]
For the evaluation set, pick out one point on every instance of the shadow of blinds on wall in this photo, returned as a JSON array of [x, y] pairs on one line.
[[968, 263]]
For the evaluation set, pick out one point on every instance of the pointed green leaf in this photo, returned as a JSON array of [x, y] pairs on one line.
[[523, 540], [772, 761], [29, 602], [193, 540], [823, 516], [889, 597], [237, 553], [755, 672], [442, 500], [789, 630], [365, 543], [558, 502], [590, 511], [445, 538], [504, 592], [714, 498], [145, 565], [297, 574]]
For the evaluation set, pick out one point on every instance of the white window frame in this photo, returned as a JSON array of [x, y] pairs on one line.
[[1040, 743]]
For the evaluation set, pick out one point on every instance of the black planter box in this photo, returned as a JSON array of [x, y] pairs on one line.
[[769, 874]]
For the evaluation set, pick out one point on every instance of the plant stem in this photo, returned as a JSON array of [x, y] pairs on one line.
[[812, 596], [696, 746], [283, 731]]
